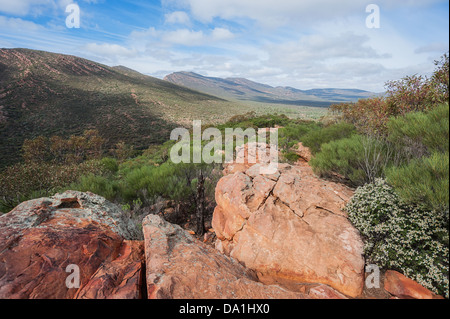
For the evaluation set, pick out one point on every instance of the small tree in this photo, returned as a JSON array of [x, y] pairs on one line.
[[200, 203], [123, 151], [36, 150]]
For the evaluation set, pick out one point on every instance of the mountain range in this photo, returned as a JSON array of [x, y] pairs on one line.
[[47, 94], [240, 89], [43, 93]]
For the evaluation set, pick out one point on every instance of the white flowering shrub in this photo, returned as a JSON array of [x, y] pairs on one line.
[[401, 237]]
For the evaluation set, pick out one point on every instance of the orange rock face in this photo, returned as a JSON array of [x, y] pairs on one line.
[[180, 267], [404, 288], [289, 227], [40, 238]]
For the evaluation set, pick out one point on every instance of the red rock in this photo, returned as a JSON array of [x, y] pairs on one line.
[[402, 287], [40, 238], [290, 228], [248, 155], [181, 267], [122, 278], [304, 152]]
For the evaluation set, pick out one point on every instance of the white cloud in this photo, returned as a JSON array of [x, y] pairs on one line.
[[184, 37], [109, 51], [178, 17], [34, 7], [284, 12], [221, 34], [19, 24], [21, 7]]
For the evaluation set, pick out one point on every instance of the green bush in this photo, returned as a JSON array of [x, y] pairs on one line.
[[290, 156], [315, 138], [359, 159], [96, 184], [25, 181], [410, 94], [401, 237], [252, 120], [423, 181], [110, 164], [169, 181], [292, 133], [420, 133]]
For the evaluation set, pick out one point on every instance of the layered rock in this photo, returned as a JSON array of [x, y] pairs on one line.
[[40, 238], [121, 278], [289, 227]]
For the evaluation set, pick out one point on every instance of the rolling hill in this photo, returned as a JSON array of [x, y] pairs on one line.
[[239, 89], [44, 93]]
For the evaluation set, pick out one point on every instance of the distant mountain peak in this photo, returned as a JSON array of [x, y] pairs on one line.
[[242, 89]]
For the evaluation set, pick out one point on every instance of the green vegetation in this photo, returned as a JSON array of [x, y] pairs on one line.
[[316, 138], [410, 94], [24, 181], [395, 149], [402, 237], [358, 159], [424, 181]]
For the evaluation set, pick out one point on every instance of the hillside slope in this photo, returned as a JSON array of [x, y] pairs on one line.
[[44, 93], [240, 89]]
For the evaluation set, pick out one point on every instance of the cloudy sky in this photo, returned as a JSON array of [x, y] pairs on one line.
[[300, 43]]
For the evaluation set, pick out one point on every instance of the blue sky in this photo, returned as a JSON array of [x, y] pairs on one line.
[[300, 43]]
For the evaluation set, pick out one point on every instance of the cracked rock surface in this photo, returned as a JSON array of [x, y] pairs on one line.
[[41, 237], [289, 227]]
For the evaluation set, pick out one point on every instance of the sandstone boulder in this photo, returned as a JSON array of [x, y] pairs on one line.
[[289, 227], [181, 267], [40, 238], [249, 154]]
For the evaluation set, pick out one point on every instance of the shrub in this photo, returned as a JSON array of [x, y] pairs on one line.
[[290, 135], [110, 164], [252, 120], [412, 93], [96, 184], [315, 138], [420, 133], [359, 159], [290, 156], [423, 181], [57, 150], [25, 181], [401, 237]]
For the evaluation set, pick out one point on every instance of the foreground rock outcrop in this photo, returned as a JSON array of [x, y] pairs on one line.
[[280, 236], [289, 227], [40, 238], [179, 266]]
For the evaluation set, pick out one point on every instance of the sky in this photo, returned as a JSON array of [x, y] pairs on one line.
[[304, 44]]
